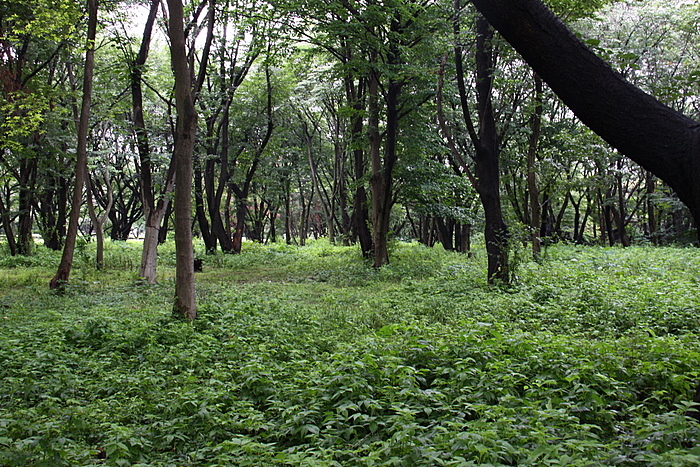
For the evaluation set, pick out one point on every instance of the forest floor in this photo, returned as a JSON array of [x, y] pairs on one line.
[[310, 357]]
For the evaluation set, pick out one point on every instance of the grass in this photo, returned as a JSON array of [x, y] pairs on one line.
[[308, 356]]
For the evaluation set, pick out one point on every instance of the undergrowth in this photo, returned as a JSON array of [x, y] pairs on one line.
[[310, 357]]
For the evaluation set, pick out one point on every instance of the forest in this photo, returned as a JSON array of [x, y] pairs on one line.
[[356, 232]]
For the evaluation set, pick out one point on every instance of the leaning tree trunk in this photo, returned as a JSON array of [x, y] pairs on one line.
[[660, 139], [184, 305], [64, 267]]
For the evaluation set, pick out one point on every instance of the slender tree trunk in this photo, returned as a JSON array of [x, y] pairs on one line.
[[184, 306], [651, 210], [621, 212], [27, 182], [155, 210], [200, 212], [288, 213], [214, 196], [164, 225], [98, 221], [64, 267], [534, 194]]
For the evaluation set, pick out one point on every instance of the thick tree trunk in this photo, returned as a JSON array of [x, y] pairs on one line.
[[149, 252], [184, 306], [658, 138], [64, 267]]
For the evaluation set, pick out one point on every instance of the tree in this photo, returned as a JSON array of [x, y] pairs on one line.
[[664, 141], [155, 205], [185, 305], [66, 263], [35, 57], [485, 139], [99, 220]]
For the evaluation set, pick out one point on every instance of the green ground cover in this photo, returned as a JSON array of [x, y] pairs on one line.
[[309, 357]]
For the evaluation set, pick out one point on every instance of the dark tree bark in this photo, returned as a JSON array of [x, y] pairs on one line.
[[7, 227], [243, 190], [658, 138], [200, 213], [485, 139], [360, 216]]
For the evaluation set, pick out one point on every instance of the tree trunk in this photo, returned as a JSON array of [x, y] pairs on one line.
[[164, 225], [287, 212], [98, 221], [215, 195], [658, 138], [200, 213], [533, 192], [381, 181], [652, 223], [621, 212], [184, 306], [28, 169], [7, 227], [64, 267], [154, 210], [487, 150], [360, 215], [239, 229]]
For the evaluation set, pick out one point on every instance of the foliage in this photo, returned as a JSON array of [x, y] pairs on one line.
[[309, 356]]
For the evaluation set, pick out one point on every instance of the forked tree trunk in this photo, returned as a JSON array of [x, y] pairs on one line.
[[64, 267], [486, 143], [155, 210], [99, 221]]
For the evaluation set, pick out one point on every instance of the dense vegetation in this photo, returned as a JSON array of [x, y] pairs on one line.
[[309, 356]]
